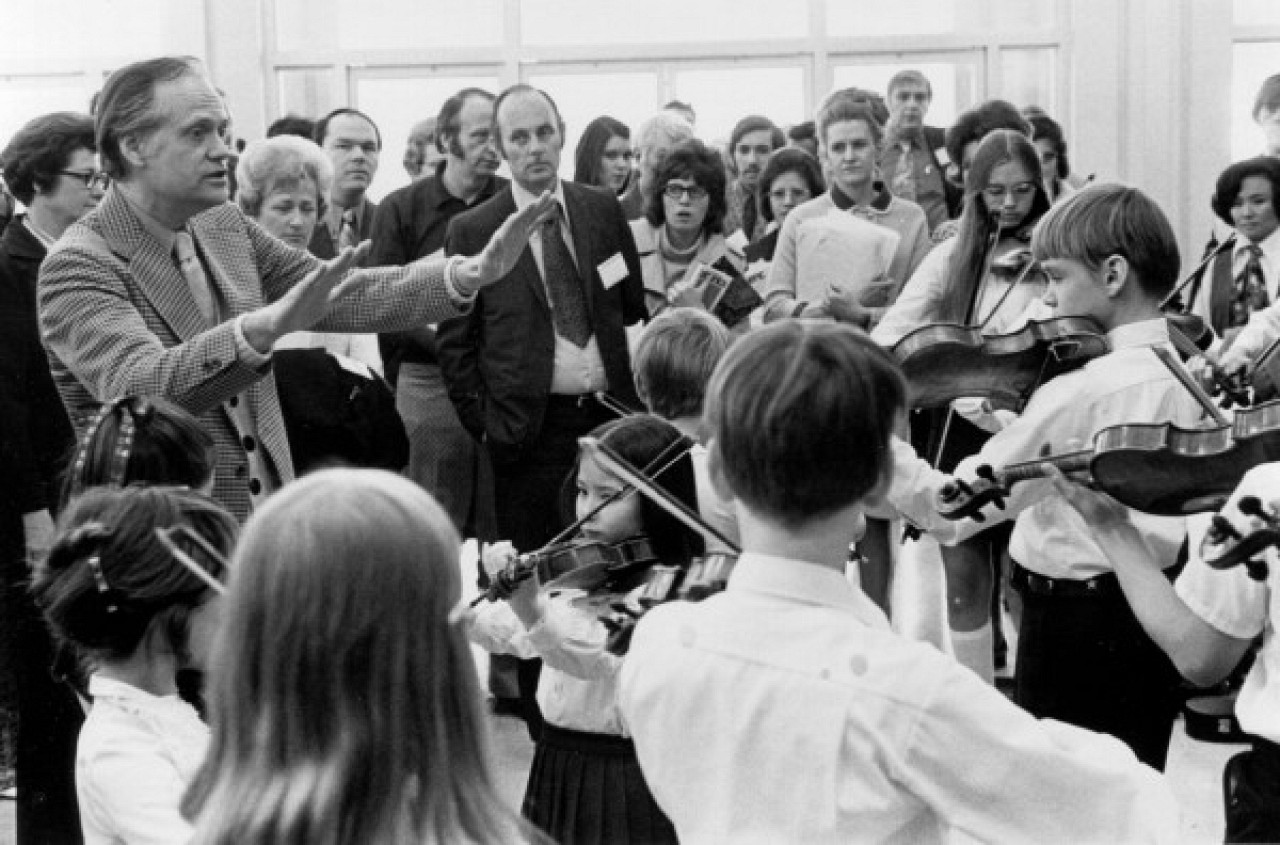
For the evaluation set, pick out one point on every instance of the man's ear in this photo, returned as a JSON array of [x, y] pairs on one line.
[[715, 469], [132, 147], [1116, 275]]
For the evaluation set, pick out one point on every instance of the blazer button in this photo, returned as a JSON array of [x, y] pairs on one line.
[[233, 401], [249, 444], [242, 471], [255, 486]]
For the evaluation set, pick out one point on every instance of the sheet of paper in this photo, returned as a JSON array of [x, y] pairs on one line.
[[843, 250]]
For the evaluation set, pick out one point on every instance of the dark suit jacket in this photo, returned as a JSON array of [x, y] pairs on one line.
[[321, 245], [34, 428], [411, 224], [498, 359], [936, 139]]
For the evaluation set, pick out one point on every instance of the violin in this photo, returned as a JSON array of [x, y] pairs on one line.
[[1014, 264], [1225, 547], [704, 577], [1160, 468], [558, 557], [945, 361]]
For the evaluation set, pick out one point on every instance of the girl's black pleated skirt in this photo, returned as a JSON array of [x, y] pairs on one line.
[[587, 789]]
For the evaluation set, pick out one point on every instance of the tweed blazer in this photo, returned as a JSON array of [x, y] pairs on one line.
[[498, 361], [118, 318]]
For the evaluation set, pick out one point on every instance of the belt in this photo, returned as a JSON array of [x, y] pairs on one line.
[[1026, 581]]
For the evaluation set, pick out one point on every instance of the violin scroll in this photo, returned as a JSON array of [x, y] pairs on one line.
[[958, 499], [1234, 548]]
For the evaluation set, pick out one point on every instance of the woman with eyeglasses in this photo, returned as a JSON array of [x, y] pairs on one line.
[[683, 223], [51, 166], [604, 155], [138, 613], [973, 279]]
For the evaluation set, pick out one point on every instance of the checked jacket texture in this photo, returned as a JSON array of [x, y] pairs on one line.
[[118, 319]]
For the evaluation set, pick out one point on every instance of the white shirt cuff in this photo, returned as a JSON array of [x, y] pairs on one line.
[[244, 351]]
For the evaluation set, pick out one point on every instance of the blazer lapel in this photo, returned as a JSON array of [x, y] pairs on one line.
[[503, 206], [580, 222]]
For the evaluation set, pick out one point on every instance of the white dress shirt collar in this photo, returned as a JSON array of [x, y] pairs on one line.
[[523, 196], [1142, 333], [1270, 246], [803, 582]]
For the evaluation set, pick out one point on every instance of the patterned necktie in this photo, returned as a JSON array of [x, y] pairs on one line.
[[184, 250], [1250, 288], [347, 235], [564, 285], [903, 183], [750, 215]]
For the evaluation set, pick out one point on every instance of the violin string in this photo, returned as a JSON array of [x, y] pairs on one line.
[[1004, 296]]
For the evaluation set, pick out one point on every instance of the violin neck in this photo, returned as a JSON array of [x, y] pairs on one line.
[[1028, 470]]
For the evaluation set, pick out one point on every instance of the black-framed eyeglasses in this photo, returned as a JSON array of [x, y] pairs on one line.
[[91, 178], [677, 191]]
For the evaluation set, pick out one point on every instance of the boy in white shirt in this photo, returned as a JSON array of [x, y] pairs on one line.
[[785, 709]]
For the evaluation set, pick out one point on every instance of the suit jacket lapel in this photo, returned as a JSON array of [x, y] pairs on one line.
[[580, 222], [503, 206], [155, 272]]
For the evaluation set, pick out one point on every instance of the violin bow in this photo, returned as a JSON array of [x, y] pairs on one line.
[[676, 450], [1197, 392], [612, 462], [1228, 242]]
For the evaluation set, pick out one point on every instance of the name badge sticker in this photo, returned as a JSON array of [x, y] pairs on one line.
[[612, 271]]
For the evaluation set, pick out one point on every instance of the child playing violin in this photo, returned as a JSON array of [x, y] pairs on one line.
[[585, 785], [1109, 253], [784, 709], [1206, 621]]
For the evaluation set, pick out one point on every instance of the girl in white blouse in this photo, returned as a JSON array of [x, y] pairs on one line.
[[585, 785], [112, 588]]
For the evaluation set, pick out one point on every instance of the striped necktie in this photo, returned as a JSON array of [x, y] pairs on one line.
[[1250, 293]]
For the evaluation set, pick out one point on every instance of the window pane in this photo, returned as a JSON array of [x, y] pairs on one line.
[[126, 30], [1256, 13], [1251, 64], [386, 24], [22, 99], [1027, 77], [954, 84], [307, 92], [582, 97], [901, 17], [396, 104], [660, 21], [722, 97], [1009, 15]]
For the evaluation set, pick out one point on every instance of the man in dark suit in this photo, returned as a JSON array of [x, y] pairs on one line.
[[914, 161], [410, 224], [524, 367], [353, 143]]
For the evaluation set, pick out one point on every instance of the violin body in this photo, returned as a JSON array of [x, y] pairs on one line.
[[1161, 469], [945, 361], [1264, 376], [705, 577]]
